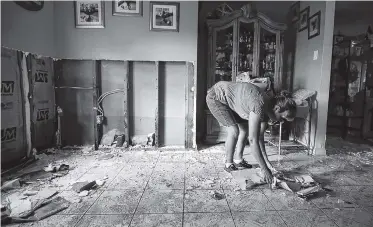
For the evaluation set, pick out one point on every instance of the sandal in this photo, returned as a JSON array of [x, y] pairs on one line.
[[244, 164], [230, 168]]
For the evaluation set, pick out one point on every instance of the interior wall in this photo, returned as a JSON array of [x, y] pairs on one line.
[[126, 38], [27, 30], [315, 74]]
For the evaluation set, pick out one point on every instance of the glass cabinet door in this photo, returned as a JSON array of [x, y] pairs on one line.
[[245, 58], [267, 54], [223, 55]]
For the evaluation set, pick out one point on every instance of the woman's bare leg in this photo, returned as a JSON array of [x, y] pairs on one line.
[[241, 141], [230, 143]]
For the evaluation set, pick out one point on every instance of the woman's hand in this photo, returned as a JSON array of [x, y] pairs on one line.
[[268, 177]]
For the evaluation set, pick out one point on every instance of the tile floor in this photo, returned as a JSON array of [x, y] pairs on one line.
[[173, 188]]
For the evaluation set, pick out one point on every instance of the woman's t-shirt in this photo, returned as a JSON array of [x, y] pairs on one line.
[[242, 98]]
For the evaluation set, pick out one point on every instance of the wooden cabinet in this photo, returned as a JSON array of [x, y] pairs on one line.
[[241, 46]]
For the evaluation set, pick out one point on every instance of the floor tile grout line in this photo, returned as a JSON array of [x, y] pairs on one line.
[[96, 199], [274, 208], [329, 217], [143, 192], [230, 210]]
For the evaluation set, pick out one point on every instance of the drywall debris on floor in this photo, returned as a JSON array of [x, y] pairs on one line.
[[109, 138], [303, 185], [29, 194], [143, 140]]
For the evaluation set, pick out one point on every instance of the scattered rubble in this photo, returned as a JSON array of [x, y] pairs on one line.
[[217, 196]]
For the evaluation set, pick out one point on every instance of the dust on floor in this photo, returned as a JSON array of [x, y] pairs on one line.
[[188, 188]]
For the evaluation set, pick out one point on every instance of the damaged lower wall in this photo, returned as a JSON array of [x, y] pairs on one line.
[[74, 94], [112, 78], [172, 82], [142, 101]]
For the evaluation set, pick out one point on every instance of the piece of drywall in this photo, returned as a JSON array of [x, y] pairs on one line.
[[30, 31], [74, 94], [112, 78], [172, 82], [314, 74], [126, 38]]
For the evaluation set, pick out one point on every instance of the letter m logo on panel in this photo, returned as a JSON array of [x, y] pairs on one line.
[[41, 77], [8, 134], [42, 115], [7, 87]]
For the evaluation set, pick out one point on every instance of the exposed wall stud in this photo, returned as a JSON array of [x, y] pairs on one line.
[[189, 104], [125, 103], [157, 104], [95, 85]]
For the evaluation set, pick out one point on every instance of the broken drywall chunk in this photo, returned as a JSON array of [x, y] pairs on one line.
[[139, 140], [84, 193], [12, 184], [217, 196], [83, 186], [108, 138], [105, 157]]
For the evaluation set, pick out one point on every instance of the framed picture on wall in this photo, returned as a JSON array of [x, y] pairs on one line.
[[127, 8], [89, 14], [164, 16], [314, 25], [303, 19], [294, 12]]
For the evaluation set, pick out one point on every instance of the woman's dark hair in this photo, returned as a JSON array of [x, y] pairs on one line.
[[286, 103]]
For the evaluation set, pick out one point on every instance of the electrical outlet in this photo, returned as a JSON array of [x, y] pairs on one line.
[[315, 54]]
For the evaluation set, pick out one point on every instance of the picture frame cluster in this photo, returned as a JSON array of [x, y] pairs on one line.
[[305, 21], [163, 16]]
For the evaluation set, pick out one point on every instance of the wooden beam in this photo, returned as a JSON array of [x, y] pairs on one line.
[[156, 104], [189, 105], [125, 103]]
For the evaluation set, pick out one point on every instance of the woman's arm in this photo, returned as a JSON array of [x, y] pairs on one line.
[[254, 134], [263, 127]]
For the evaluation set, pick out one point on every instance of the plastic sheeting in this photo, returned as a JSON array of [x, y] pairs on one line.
[[13, 142], [43, 101]]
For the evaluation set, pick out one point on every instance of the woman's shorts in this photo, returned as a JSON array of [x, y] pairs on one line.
[[223, 114]]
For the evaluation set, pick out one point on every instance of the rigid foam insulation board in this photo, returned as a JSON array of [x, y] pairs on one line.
[[142, 98], [13, 141], [112, 77], [172, 82], [43, 101], [75, 96]]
